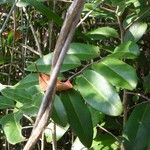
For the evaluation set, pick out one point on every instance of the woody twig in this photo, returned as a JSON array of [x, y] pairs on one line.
[[62, 44]]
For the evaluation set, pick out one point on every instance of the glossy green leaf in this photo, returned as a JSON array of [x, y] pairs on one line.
[[12, 128], [43, 64], [44, 10], [136, 132], [20, 95], [99, 93], [60, 131], [102, 32], [59, 113], [28, 81], [6, 102], [135, 32], [83, 51], [146, 83], [117, 73], [79, 116], [127, 50]]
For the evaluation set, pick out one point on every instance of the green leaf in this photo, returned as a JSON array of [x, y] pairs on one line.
[[20, 95], [101, 142], [135, 32], [104, 142], [79, 116], [28, 81], [136, 132], [44, 10], [6, 102], [146, 83], [84, 51], [117, 73], [44, 64], [99, 93], [10, 38], [127, 50], [102, 32], [60, 131], [31, 108], [34, 90], [97, 117], [12, 128], [59, 113]]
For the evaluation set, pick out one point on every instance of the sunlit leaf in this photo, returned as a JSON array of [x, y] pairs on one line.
[[102, 32], [102, 141], [135, 32], [127, 50], [60, 131], [43, 64], [105, 142], [117, 72], [84, 51], [12, 128], [99, 93]]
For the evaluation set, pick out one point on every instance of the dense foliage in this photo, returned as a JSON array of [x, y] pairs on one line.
[[108, 65]]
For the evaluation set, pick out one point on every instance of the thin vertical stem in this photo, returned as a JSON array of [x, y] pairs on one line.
[[33, 32], [42, 142], [50, 28], [125, 97], [5, 23], [54, 142], [125, 106]]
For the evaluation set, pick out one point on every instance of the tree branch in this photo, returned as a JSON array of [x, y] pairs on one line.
[[61, 48]]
